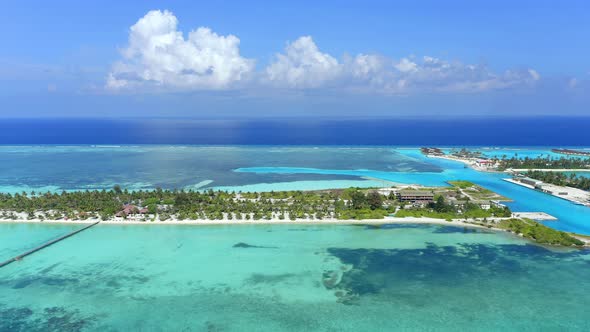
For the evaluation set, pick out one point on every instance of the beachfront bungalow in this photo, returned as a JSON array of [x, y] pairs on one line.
[[130, 209]]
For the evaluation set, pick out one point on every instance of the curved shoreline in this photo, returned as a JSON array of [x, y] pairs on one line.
[[204, 222], [227, 222]]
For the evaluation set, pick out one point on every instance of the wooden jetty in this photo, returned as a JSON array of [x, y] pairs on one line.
[[45, 245]]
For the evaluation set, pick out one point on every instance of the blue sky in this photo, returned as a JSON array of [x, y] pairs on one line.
[[302, 58]]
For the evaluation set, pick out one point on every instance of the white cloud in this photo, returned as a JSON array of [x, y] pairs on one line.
[[436, 75], [302, 66], [366, 66], [535, 76], [406, 65], [431, 74], [159, 55]]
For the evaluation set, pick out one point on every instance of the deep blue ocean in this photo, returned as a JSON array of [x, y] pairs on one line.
[[532, 131]]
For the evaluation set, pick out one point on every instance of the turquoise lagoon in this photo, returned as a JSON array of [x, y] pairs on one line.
[[291, 278], [280, 277], [263, 168]]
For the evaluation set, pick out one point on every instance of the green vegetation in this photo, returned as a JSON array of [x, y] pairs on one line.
[[440, 209], [465, 153], [544, 163], [183, 205], [462, 184], [363, 206], [538, 232], [561, 179], [352, 203], [476, 192]]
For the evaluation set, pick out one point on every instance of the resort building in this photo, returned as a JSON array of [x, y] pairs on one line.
[[529, 181], [497, 204], [415, 196], [386, 191], [485, 205], [486, 163]]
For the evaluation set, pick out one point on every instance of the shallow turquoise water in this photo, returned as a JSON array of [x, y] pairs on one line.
[[580, 174], [18, 238], [294, 278]]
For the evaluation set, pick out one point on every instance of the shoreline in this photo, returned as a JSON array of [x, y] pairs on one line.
[[471, 164], [306, 222], [206, 222], [574, 195], [575, 170]]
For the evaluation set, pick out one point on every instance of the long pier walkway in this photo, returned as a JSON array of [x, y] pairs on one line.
[[47, 244]]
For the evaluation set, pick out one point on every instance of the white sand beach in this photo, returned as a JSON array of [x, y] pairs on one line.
[[203, 222]]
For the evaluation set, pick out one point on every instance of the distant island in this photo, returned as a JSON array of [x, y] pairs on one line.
[[572, 152], [555, 176]]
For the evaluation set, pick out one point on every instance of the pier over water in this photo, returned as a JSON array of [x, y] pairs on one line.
[[47, 244]]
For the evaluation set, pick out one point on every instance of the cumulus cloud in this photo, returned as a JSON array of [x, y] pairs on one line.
[[437, 75], [405, 66], [302, 65], [534, 74], [159, 55], [365, 66]]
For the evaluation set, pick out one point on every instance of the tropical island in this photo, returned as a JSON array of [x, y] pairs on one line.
[[462, 203], [546, 163], [559, 177], [479, 161]]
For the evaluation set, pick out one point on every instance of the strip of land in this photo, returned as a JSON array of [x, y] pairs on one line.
[[534, 215], [205, 222], [574, 195], [572, 152], [582, 170]]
